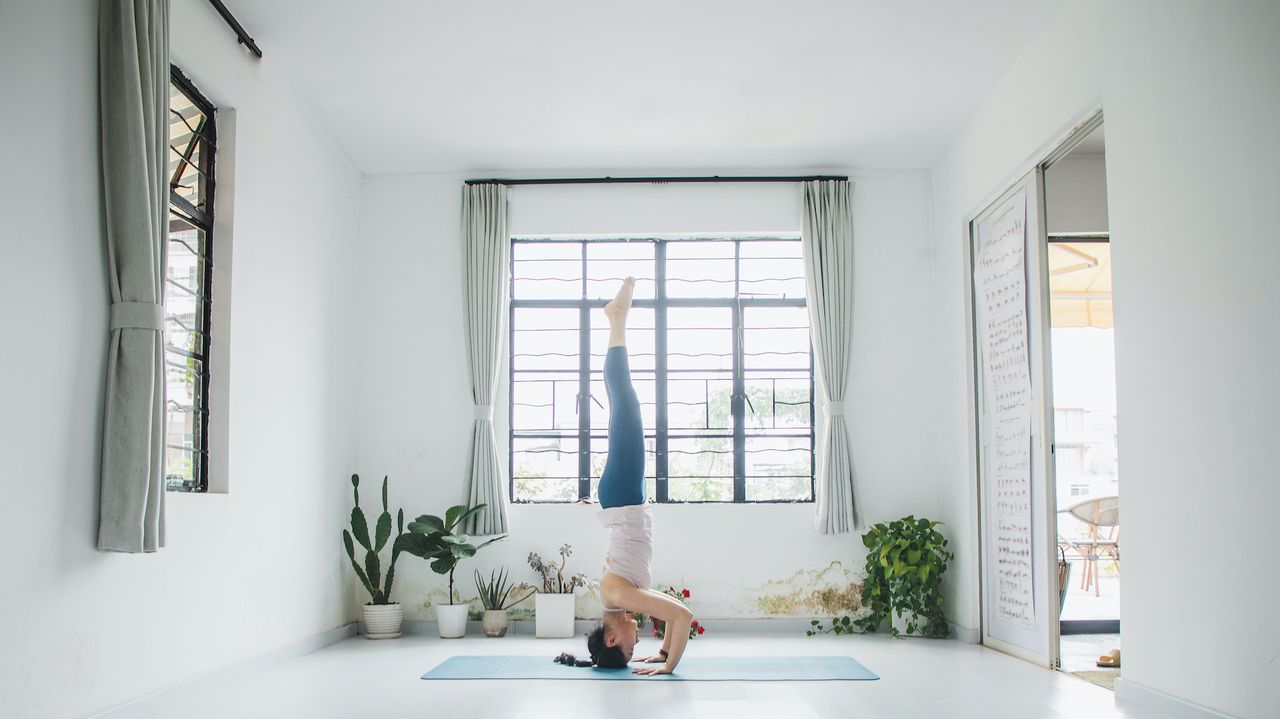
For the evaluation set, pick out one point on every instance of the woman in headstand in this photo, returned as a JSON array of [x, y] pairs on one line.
[[624, 586]]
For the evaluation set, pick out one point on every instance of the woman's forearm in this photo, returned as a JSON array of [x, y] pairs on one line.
[[677, 639]]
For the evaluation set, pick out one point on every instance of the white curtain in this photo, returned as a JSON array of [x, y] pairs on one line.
[[486, 259], [827, 237], [133, 49]]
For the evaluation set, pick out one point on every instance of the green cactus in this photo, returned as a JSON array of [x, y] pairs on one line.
[[371, 574]]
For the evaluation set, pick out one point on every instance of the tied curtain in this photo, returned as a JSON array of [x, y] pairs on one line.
[[827, 237], [134, 96], [486, 262]]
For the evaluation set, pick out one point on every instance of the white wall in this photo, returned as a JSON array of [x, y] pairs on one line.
[[243, 572], [1190, 102], [740, 561]]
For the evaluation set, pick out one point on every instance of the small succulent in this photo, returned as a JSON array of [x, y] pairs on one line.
[[495, 592], [553, 580]]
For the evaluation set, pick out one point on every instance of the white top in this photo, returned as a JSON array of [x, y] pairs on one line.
[[630, 543]]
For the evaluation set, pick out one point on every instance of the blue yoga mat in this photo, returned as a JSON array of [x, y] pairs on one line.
[[691, 669]]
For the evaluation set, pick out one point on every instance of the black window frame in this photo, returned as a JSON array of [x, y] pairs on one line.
[[660, 304], [202, 218]]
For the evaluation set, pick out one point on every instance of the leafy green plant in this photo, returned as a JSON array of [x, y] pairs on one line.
[[371, 574], [905, 562], [839, 625], [432, 538], [495, 592]]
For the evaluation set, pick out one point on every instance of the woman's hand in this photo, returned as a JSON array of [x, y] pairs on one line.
[[655, 659], [651, 671]]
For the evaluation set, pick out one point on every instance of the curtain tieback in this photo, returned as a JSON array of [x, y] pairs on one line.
[[833, 409], [139, 315], [484, 411]]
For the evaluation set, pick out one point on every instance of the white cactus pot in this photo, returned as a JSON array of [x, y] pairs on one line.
[[495, 622], [553, 615], [382, 621], [452, 619]]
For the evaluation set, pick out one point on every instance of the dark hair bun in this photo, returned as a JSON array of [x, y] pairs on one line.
[[569, 660]]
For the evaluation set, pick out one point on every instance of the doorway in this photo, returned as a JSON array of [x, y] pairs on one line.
[[1085, 444]]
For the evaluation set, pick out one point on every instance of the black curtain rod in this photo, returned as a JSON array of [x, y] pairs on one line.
[[235, 25], [608, 180]]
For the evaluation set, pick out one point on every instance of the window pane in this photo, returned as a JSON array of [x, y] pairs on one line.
[[699, 400], [189, 159], [771, 269], [546, 270], [700, 269], [545, 339], [775, 337], [700, 338], [183, 400], [545, 401], [180, 467], [640, 338], [778, 468], [545, 469], [700, 468], [777, 400], [608, 263]]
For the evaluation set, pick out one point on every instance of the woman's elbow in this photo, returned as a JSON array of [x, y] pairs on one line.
[[684, 615]]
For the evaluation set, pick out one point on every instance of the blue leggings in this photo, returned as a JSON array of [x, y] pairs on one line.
[[622, 482]]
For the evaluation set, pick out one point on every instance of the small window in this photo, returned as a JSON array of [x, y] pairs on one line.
[[718, 338], [1079, 490], [188, 277]]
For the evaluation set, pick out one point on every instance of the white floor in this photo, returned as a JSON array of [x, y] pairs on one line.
[[919, 678]]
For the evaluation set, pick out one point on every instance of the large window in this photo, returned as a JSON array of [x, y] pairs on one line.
[[188, 276], [719, 343]]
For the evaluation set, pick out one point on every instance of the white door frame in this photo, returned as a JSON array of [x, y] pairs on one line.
[[1042, 646]]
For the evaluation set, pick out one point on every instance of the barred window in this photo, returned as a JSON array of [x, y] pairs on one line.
[[718, 338], [188, 276]]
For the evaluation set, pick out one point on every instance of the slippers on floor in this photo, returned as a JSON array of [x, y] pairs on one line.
[[1110, 659]]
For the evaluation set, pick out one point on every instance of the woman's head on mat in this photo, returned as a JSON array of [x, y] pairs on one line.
[[613, 642]]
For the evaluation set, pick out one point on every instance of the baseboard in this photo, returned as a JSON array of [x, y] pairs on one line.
[[796, 626], [173, 700], [525, 627], [1128, 692], [1067, 627], [968, 635]]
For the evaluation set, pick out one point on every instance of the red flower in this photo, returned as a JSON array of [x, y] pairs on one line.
[[701, 629], [693, 623], [685, 592]]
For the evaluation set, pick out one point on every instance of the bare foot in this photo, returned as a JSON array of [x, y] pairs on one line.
[[617, 308]]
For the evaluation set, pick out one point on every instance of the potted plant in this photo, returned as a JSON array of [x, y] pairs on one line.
[[493, 595], [905, 562], [432, 538], [382, 617], [554, 605]]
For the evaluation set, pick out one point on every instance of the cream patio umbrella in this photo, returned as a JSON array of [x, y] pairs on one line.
[[1080, 284]]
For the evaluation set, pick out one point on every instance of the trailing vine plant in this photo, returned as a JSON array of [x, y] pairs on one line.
[[905, 562]]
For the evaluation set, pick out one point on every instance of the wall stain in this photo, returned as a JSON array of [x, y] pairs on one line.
[[831, 591]]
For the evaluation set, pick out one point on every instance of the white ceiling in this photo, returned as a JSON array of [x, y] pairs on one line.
[[511, 85]]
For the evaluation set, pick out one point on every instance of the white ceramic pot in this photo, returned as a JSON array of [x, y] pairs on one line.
[[495, 622], [553, 615], [899, 622], [452, 619], [382, 621]]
